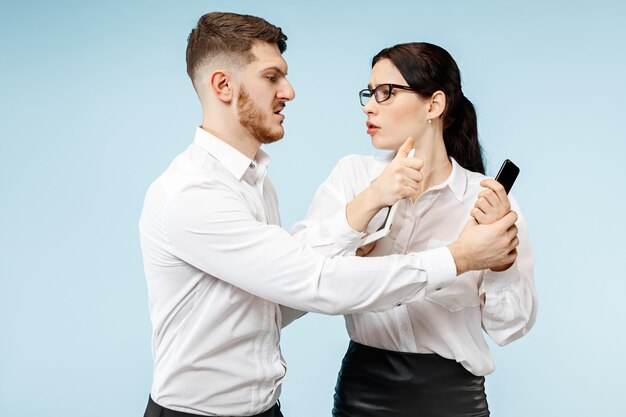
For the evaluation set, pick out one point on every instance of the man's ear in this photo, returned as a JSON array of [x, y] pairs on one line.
[[437, 104], [221, 85]]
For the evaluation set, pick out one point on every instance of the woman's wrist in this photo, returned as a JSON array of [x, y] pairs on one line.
[[363, 208], [371, 199]]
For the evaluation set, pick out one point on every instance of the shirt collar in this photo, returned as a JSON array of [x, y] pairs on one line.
[[456, 181], [233, 160]]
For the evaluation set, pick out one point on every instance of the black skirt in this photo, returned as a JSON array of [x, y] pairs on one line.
[[375, 382]]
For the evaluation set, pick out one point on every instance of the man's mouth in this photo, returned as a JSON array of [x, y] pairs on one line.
[[278, 109], [277, 112]]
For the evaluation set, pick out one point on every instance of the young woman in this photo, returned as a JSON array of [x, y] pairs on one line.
[[427, 358]]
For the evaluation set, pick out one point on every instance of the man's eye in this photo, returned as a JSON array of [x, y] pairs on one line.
[[272, 78]]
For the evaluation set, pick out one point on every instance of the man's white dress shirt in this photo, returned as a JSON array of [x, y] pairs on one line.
[[448, 322], [218, 265]]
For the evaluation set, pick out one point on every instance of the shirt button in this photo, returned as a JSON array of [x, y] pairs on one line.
[[252, 165], [398, 304]]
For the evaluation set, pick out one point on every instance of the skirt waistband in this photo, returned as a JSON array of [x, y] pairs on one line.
[[374, 382]]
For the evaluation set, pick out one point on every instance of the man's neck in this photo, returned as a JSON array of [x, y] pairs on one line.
[[239, 139]]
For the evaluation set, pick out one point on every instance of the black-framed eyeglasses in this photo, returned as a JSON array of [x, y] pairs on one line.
[[381, 93]]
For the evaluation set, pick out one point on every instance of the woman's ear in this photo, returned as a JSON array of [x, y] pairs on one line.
[[437, 105]]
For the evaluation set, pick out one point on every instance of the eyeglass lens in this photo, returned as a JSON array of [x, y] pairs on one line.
[[381, 93]]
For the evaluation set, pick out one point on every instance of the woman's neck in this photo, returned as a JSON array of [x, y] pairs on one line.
[[437, 165]]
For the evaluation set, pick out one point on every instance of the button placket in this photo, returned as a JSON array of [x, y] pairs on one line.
[[405, 330], [401, 242]]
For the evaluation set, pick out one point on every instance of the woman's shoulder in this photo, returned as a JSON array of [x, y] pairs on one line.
[[474, 178]]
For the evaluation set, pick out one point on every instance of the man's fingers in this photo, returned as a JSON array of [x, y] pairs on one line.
[[513, 245], [510, 258], [512, 231], [405, 148], [508, 220]]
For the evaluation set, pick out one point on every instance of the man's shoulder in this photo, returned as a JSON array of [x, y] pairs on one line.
[[191, 171]]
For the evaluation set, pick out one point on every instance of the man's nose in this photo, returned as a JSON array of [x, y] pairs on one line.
[[287, 93]]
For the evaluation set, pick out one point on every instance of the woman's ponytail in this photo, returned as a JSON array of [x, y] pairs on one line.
[[461, 136]]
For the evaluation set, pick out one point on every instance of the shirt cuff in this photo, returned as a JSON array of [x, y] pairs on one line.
[[496, 281], [440, 267], [343, 235]]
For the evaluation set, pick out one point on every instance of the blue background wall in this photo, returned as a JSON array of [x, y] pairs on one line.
[[95, 102]]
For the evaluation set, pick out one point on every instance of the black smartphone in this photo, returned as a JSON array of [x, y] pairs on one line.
[[507, 175]]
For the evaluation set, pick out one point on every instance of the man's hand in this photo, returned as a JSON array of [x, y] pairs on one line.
[[486, 246], [492, 203], [400, 179]]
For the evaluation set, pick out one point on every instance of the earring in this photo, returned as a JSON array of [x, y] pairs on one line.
[[430, 121]]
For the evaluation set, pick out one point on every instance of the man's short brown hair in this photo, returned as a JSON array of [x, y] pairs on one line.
[[229, 35]]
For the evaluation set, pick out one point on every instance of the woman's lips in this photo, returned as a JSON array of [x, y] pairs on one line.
[[371, 128]]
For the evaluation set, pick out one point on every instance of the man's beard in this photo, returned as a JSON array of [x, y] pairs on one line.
[[254, 121]]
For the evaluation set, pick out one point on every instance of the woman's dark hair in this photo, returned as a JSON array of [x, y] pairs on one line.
[[429, 68]]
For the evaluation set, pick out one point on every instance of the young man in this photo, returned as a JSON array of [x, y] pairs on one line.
[[217, 264]]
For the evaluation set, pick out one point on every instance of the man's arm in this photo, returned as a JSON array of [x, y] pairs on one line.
[[227, 242]]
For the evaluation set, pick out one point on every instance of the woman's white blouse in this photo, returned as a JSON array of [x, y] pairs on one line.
[[450, 321]]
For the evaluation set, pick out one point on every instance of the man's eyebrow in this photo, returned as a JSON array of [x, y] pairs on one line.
[[274, 68]]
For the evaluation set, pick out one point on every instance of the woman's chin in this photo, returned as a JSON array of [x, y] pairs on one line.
[[384, 145]]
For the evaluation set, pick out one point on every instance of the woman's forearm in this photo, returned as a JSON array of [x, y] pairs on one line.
[[361, 210]]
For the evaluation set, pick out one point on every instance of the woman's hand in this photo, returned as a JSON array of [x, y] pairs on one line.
[[399, 180], [364, 250], [492, 205]]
